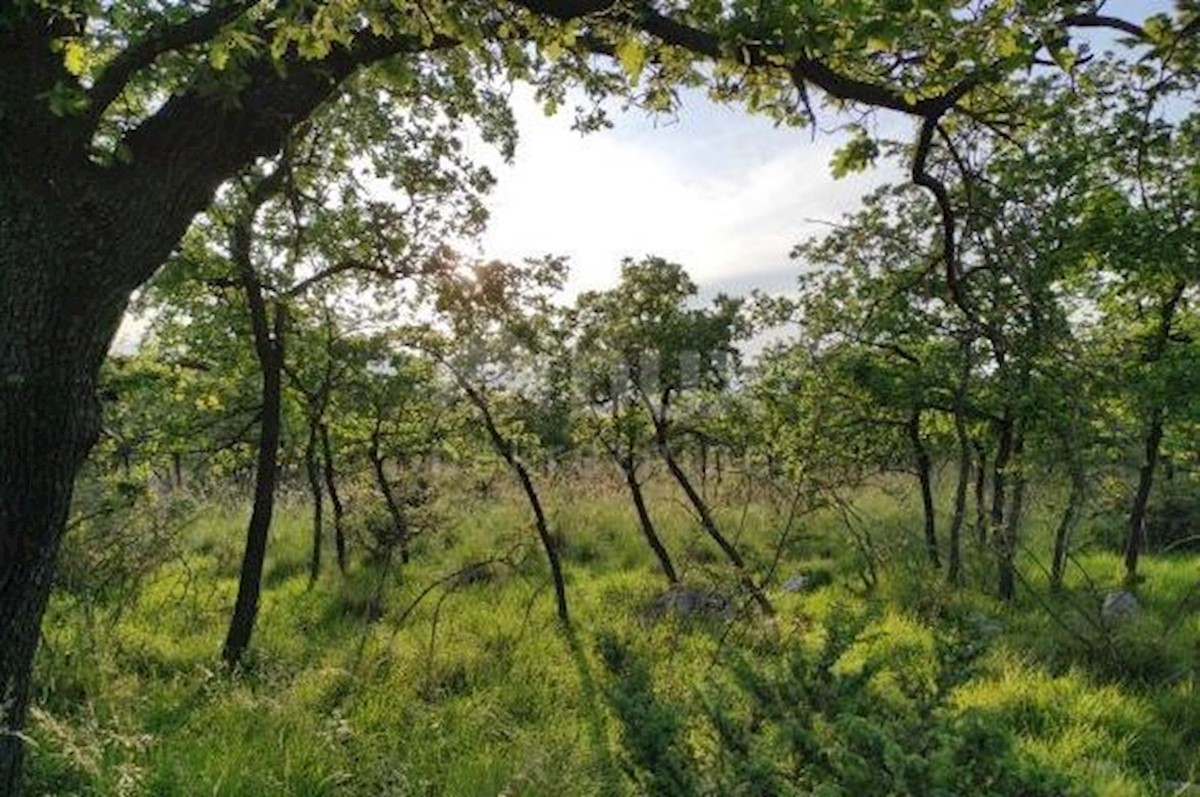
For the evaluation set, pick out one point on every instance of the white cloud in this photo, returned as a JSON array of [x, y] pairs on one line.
[[721, 192]]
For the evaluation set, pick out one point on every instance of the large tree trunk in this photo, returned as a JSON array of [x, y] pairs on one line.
[[49, 419], [924, 469], [646, 524], [63, 290], [76, 239]]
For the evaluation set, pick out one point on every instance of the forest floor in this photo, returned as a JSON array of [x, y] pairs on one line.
[[410, 680]]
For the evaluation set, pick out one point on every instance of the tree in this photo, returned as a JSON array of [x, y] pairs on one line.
[[499, 331], [120, 121], [615, 419], [663, 353]]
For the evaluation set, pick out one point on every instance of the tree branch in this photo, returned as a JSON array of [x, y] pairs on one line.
[[164, 39]]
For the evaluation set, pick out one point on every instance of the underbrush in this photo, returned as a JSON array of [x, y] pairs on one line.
[[450, 675]]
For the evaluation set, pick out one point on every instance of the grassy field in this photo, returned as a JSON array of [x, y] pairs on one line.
[[409, 680]]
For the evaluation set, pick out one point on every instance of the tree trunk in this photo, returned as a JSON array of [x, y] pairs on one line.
[[1006, 587], [313, 470], [548, 544], [62, 295], [981, 510], [1154, 433], [1141, 498], [647, 525], [335, 498], [959, 518], [269, 349], [1070, 519], [76, 239], [1012, 523], [48, 420], [924, 470], [707, 522], [399, 522], [508, 453]]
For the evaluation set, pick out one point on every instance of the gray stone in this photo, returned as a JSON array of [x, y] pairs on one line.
[[808, 581], [1120, 605], [796, 583], [687, 602]]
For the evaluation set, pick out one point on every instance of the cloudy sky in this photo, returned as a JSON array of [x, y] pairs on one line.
[[721, 192]]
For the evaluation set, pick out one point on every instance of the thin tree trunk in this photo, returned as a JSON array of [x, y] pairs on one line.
[[507, 452], [1016, 514], [924, 476], [1066, 526], [313, 470], [399, 522], [981, 507], [1153, 440], [269, 349], [958, 519], [335, 498], [1006, 587], [647, 525], [543, 532], [707, 522], [1141, 498]]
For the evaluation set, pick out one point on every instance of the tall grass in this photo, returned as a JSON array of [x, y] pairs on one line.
[[403, 681]]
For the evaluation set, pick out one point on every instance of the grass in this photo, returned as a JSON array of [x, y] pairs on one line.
[[909, 688]]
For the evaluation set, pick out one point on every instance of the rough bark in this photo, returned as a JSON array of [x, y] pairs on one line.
[[924, 470]]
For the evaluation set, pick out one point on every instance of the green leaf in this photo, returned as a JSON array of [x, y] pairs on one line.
[[75, 57], [631, 54], [218, 56], [855, 155]]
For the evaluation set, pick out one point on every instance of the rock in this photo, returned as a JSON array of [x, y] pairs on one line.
[[1120, 605], [803, 582], [687, 602], [796, 583]]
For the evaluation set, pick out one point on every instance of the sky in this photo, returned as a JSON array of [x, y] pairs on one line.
[[725, 194], [721, 192]]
